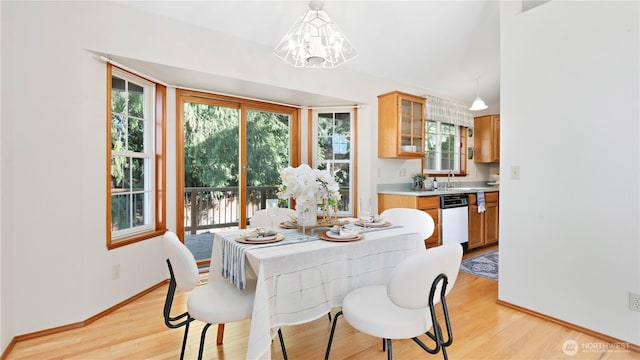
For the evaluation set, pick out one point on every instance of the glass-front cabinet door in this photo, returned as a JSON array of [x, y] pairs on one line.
[[401, 119], [412, 126]]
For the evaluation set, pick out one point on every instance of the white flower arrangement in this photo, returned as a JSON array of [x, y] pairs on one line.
[[309, 187]]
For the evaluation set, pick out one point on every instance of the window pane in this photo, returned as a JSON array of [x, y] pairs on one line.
[[340, 138], [140, 216], [268, 141], [120, 213], [120, 172], [136, 135], [432, 127], [138, 167], [117, 132], [340, 146], [431, 161], [136, 100], [432, 142], [325, 148], [118, 95], [343, 178]]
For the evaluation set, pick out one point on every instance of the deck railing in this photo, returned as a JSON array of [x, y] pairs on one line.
[[218, 207]]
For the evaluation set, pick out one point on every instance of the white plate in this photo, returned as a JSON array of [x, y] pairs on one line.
[[382, 223], [345, 235], [260, 238]]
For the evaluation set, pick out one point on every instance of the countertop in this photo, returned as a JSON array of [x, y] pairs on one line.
[[404, 189]]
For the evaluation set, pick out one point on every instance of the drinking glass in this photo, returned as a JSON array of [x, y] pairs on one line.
[[303, 217], [364, 210], [272, 211]]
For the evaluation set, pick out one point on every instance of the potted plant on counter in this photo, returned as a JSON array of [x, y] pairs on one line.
[[418, 181]]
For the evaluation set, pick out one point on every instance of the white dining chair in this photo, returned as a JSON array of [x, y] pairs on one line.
[[217, 302], [415, 219], [404, 308], [261, 219]]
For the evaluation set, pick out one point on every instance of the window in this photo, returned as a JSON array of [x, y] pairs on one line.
[[135, 165], [443, 147], [334, 150]]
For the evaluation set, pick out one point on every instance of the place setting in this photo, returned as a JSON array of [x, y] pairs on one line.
[[260, 236], [374, 221], [340, 233]]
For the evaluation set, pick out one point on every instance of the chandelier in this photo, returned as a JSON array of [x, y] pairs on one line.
[[315, 41]]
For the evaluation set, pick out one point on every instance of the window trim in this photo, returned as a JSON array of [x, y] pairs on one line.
[[312, 117], [159, 155], [462, 154]]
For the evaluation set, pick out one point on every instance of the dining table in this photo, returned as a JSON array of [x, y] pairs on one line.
[[300, 278]]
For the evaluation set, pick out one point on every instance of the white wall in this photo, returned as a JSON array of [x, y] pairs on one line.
[[6, 198], [569, 234]]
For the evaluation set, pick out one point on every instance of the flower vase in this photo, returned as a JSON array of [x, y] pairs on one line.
[[311, 213]]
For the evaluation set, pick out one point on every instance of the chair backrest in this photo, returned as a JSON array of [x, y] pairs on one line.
[[410, 282], [260, 218], [185, 268], [415, 219]]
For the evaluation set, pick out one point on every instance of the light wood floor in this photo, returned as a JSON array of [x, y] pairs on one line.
[[482, 330]]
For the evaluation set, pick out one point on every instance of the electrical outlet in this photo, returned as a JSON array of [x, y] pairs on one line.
[[634, 302], [115, 272]]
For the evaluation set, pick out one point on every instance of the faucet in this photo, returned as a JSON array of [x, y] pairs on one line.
[[449, 176]]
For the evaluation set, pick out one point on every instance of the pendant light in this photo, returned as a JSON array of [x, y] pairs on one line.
[[478, 103], [315, 41]]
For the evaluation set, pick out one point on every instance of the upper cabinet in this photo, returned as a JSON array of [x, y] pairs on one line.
[[487, 138], [401, 125]]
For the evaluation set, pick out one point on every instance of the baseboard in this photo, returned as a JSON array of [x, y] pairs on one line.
[[6, 351], [80, 324], [606, 338]]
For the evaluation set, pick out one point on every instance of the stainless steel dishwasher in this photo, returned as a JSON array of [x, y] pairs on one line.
[[454, 217]]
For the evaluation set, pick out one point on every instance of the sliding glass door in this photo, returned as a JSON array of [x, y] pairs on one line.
[[229, 156]]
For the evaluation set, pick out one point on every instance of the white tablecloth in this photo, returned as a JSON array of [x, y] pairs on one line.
[[297, 283]]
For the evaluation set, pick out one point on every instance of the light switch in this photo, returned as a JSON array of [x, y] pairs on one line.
[[515, 172]]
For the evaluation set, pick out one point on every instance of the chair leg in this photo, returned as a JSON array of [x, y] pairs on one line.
[[204, 332], [284, 350], [220, 334], [384, 344], [389, 352], [333, 329], [184, 340]]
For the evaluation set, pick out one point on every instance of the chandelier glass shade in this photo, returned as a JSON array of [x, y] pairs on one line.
[[315, 41]]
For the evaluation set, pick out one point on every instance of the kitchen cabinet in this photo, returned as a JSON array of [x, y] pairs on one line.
[[483, 227], [428, 204], [486, 138], [401, 119]]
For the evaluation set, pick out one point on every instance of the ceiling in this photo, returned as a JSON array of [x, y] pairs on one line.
[[439, 46]]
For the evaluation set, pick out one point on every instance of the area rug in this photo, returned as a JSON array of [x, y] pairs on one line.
[[484, 265]]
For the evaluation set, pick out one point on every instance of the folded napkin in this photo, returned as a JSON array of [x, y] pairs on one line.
[[481, 207]]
